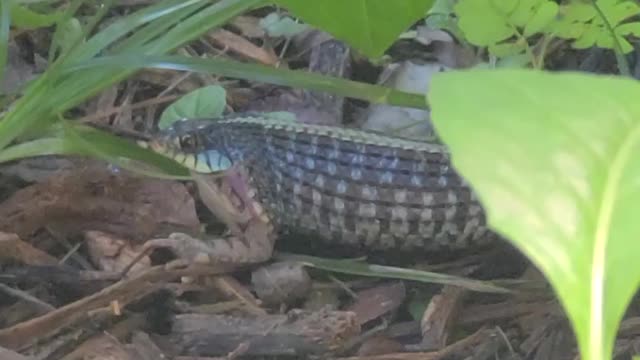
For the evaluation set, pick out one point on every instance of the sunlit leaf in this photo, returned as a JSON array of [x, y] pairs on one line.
[[368, 25], [554, 162]]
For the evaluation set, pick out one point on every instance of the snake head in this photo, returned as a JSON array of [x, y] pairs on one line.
[[189, 142]]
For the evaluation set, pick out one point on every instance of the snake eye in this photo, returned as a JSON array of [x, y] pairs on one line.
[[187, 142]]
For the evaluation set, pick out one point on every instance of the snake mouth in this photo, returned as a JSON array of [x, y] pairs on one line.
[[205, 162]]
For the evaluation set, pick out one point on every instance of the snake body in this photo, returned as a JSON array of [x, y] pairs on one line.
[[343, 185]]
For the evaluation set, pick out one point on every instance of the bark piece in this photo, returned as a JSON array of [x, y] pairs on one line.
[[297, 333], [95, 198]]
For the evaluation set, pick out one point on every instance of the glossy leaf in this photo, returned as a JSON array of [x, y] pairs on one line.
[[553, 159], [370, 26]]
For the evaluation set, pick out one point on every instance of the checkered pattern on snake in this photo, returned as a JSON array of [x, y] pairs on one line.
[[344, 185]]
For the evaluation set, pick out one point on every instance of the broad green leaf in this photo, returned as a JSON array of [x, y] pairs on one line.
[[629, 29], [206, 102], [543, 16], [508, 49], [370, 26], [553, 159], [588, 37], [567, 30], [474, 15], [525, 11], [505, 6], [577, 11], [618, 12], [605, 40]]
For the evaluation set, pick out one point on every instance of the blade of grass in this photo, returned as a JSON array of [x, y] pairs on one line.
[[293, 78], [75, 139], [152, 31], [40, 147], [52, 94], [193, 27], [26, 18], [161, 10], [113, 148], [65, 16], [353, 267], [5, 24]]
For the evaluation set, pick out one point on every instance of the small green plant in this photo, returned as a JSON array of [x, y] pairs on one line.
[[208, 101], [513, 28]]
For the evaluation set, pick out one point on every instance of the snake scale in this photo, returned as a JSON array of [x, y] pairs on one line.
[[342, 185]]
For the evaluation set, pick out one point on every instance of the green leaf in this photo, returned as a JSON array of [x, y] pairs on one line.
[[474, 15], [370, 26], [206, 102], [577, 11], [525, 11], [553, 159], [507, 49], [543, 16], [588, 38], [25, 18], [583, 23], [277, 26], [618, 12], [629, 29], [505, 6]]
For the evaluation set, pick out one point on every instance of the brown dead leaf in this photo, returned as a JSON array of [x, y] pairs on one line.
[[375, 302], [13, 248], [243, 47]]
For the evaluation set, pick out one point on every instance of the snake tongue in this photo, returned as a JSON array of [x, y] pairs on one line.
[[239, 186]]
